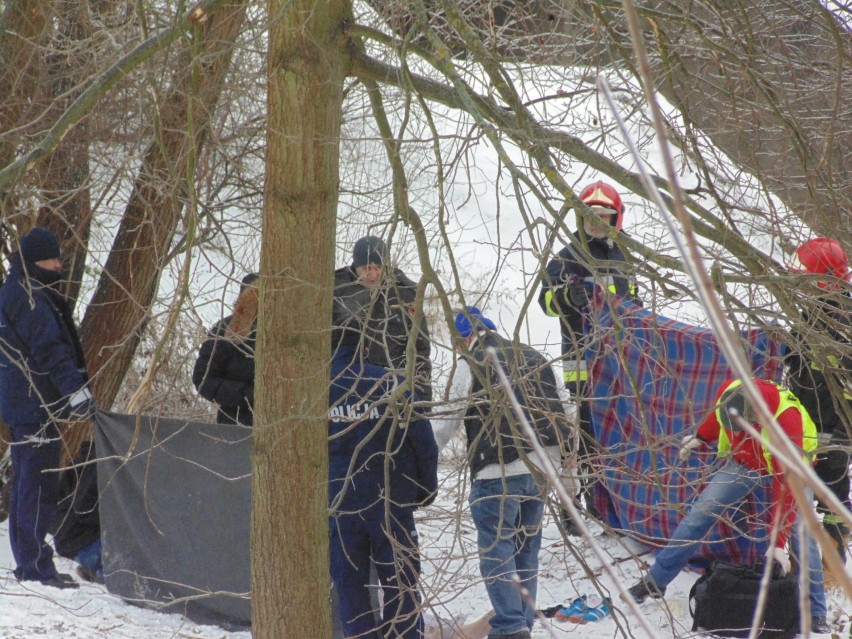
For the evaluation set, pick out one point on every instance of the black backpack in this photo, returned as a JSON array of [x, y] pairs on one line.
[[724, 599]]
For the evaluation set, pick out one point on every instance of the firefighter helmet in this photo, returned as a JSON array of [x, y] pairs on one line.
[[602, 194], [821, 256]]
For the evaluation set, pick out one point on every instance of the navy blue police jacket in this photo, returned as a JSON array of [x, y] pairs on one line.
[[41, 361], [374, 454]]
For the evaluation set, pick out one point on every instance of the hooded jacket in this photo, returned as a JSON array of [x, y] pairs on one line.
[[384, 317], [42, 367], [750, 452], [806, 375], [224, 369]]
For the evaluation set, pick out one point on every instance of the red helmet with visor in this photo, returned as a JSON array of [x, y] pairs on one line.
[[602, 195], [822, 256]]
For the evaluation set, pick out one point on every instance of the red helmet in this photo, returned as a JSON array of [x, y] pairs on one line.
[[602, 194], [821, 256]]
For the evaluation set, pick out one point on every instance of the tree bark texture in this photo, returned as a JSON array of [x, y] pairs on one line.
[[115, 319], [306, 70]]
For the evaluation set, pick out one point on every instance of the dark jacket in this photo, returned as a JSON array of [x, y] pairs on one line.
[[369, 437], [493, 432], [224, 368], [77, 523], [41, 360], [568, 268], [806, 375], [384, 317]]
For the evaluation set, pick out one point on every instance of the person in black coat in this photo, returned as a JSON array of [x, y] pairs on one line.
[[224, 368], [378, 302], [383, 465], [77, 526], [590, 259], [808, 375], [43, 382]]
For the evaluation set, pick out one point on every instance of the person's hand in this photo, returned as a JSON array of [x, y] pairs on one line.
[[83, 412], [578, 295], [780, 557], [687, 444]]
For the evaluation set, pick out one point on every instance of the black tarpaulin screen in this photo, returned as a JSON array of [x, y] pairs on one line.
[[176, 515]]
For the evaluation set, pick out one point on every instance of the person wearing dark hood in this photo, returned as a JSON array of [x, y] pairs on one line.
[[224, 369], [378, 301], [43, 382], [591, 259]]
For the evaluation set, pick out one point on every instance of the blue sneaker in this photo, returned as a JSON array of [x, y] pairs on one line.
[[577, 607], [593, 613]]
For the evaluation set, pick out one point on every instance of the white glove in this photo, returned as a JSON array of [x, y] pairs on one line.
[[780, 556], [569, 479], [686, 445]]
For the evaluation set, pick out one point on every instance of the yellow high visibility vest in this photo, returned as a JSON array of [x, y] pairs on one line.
[[786, 400]]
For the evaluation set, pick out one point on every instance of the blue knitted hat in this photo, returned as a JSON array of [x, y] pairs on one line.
[[39, 244], [470, 319]]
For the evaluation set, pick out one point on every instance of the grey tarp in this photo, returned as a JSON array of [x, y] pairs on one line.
[[176, 515]]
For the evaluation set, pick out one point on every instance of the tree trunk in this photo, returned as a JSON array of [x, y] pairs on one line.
[[290, 570], [116, 317]]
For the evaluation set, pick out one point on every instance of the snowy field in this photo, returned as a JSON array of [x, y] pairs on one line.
[[451, 588]]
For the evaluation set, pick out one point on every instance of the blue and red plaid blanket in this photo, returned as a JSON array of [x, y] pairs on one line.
[[652, 380]]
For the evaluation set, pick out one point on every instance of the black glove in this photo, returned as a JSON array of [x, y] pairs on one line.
[[82, 412], [426, 497], [578, 295]]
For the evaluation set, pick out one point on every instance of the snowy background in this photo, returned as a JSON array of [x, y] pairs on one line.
[[451, 587], [494, 237]]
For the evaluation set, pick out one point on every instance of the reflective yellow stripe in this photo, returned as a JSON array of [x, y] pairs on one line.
[[787, 400], [574, 371], [611, 289], [569, 377], [548, 303]]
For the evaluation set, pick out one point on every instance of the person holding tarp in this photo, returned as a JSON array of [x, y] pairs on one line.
[[748, 464], [590, 259], [830, 314], [43, 383], [383, 465]]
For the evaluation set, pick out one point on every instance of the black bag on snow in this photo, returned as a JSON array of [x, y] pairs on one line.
[[724, 599]]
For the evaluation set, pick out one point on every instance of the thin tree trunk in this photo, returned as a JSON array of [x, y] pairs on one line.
[[116, 317], [290, 570]]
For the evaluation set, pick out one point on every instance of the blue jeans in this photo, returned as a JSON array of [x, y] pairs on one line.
[[507, 513], [729, 485]]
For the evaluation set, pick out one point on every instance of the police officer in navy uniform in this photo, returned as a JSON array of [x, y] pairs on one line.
[[590, 259], [43, 381], [383, 463]]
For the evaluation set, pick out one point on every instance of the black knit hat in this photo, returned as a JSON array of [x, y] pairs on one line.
[[368, 250], [39, 244]]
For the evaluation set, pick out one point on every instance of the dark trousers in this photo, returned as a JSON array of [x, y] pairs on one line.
[[355, 540], [35, 449], [588, 447]]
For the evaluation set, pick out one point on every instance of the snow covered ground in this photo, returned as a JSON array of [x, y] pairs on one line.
[[451, 587]]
